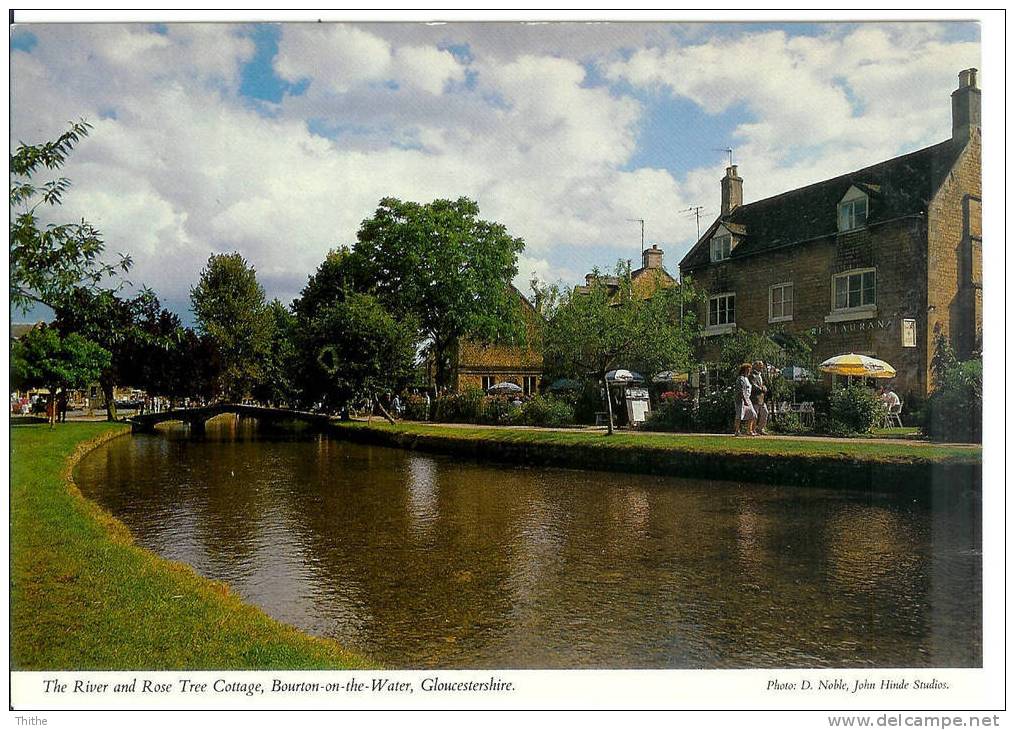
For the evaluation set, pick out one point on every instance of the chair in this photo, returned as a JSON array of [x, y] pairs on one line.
[[894, 415]]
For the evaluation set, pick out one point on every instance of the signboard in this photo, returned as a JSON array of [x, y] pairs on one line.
[[909, 333], [637, 405]]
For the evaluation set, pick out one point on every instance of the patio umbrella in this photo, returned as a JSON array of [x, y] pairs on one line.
[[670, 376], [857, 365], [564, 384], [504, 388], [796, 373], [624, 376]]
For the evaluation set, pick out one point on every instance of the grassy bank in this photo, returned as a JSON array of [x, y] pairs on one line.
[[851, 464], [84, 597], [872, 450]]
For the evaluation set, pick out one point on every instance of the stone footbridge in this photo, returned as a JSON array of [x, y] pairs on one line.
[[196, 417]]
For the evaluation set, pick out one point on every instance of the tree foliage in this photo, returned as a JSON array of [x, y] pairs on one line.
[[445, 267], [353, 348], [50, 261], [606, 325], [278, 382], [230, 308], [135, 331], [41, 358]]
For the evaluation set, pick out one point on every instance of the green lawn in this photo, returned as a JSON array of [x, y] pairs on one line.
[[871, 449], [84, 597]]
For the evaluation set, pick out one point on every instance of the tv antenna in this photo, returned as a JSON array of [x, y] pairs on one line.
[[695, 210], [642, 221], [727, 150]]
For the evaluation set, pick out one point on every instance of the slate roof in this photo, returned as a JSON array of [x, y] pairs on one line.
[[896, 187]]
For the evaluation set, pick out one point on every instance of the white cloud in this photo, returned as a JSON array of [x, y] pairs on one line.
[[180, 165]]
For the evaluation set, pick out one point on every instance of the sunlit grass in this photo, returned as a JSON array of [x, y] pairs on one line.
[[84, 597], [869, 449]]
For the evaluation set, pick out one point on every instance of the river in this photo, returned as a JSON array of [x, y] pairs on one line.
[[427, 561]]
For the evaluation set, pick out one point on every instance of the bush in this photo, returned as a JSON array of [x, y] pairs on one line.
[[854, 409], [415, 408], [788, 423], [714, 413], [463, 407], [543, 411], [954, 411], [672, 414]]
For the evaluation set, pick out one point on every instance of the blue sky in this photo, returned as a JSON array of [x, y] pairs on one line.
[[276, 140]]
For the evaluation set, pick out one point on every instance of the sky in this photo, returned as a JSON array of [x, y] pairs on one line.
[[278, 140]]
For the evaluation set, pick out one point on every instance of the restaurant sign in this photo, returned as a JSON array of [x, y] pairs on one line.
[[843, 328]]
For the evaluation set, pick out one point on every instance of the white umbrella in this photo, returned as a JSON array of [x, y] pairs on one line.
[[504, 388], [670, 376], [796, 373], [624, 376]]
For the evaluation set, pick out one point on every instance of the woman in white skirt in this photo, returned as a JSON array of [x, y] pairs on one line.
[[745, 412]]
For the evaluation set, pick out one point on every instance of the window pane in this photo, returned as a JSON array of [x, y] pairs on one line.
[[713, 311], [840, 292], [787, 301], [844, 217], [860, 211], [868, 288], [731, 312]]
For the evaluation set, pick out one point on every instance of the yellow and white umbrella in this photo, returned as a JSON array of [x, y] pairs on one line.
[[859, 366]]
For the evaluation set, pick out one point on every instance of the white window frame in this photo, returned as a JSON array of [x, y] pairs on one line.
[[792, 301], [719, 328], [491, 379], [726, 240], [861, 311], [845, 211]]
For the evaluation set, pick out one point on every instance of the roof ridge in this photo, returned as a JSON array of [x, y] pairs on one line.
[[923, 150]]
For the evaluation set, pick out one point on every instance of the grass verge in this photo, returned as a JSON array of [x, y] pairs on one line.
[[872, 451], [83, 596]]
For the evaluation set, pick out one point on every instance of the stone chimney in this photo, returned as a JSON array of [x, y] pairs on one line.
[[965, 106], [733, 190], [652, 258]]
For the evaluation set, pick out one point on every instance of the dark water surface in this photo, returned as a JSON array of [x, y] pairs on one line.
[[426, 561]]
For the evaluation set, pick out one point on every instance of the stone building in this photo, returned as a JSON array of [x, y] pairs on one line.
[[644, 281], [877, 261], [483, 364]]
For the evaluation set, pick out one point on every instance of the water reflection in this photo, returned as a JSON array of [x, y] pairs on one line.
[[423, 561]]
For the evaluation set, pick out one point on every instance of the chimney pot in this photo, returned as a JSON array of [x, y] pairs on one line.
[[732, 187], [965, 106], [652, 258]]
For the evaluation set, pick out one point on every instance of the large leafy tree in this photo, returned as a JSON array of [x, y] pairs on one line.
[[354, 349], [42, 358], [278, 379], [50, 261], [133, 331], [230, 308], [445, 267], [606, 326]]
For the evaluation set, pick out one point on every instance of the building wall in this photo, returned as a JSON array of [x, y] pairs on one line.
[[477, 359], [896, 250], [955, 270]]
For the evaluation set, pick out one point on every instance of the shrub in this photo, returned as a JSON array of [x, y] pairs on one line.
[[788, 423], [854, 409], [543, 411], [463, 407], [415, 408], [672, 414], [954, 411]]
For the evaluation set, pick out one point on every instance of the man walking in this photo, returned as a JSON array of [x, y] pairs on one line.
[[758, 392]]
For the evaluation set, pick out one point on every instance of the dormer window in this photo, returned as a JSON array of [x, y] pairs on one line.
[[853, 210], [721, 245]]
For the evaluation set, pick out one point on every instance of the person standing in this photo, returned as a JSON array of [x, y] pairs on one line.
[[758, 392], [744, 408]]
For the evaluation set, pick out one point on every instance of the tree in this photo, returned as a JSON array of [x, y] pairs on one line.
[[354, 348], [230, 309], [49, 262], [593, 330], [442, 265], [278, 378], [41, 358], [132, 330]]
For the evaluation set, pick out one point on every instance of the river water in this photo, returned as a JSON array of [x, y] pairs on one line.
[[427, 561]]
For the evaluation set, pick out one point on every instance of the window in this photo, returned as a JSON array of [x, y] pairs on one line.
[[721, 246], [853, 211], [489, 381], [780, 302], [529, 384], [853, 289], [722, 310]]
